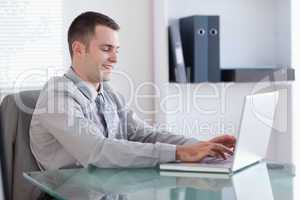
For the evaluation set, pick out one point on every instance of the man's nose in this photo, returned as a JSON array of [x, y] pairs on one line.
[[113, 57]]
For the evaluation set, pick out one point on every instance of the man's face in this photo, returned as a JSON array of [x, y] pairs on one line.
[[101, 54]]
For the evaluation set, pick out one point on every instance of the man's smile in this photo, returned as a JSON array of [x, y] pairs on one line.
[[108, 67]]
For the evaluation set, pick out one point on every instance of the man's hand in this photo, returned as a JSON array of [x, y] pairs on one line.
[[226, 140], [196, 152]]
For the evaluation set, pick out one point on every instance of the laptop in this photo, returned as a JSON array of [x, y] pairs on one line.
[[252, 141]]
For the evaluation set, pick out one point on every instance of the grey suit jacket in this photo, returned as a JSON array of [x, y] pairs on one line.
[[66, 129]]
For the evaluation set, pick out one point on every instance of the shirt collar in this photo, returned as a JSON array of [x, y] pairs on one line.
[[86, 88]]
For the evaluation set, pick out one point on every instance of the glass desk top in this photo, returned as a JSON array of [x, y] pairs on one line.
[[260, 181]]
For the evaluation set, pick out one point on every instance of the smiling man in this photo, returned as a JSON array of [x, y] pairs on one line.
[[80, 121]]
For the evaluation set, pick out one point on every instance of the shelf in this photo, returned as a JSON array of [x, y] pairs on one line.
[[252, 75], [257, 75]]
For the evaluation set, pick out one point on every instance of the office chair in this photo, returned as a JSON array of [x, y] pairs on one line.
[[16, 157]]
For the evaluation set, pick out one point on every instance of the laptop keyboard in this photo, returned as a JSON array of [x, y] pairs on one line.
[[221, 161]]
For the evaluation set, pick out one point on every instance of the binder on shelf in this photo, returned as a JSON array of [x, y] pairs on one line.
[[177, 71], [201, 47], [214, 72]]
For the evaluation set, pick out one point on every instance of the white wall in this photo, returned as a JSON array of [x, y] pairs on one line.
[[283, 32], [296, 85], [135, 52]]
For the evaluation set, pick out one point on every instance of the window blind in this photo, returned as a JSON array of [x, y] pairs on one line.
[[31, 43]]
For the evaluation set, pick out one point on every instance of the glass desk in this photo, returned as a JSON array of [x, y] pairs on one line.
[[260, 181]]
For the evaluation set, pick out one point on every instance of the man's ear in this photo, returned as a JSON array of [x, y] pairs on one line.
[[78, 48]]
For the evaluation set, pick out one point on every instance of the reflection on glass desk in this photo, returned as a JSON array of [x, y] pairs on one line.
[[252, 183]]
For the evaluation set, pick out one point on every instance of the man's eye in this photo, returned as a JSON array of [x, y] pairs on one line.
[[105, 49]]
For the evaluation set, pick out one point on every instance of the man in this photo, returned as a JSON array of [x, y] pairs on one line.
[[80, 121]]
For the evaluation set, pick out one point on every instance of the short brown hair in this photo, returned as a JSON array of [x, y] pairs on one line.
[[83, 26]]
